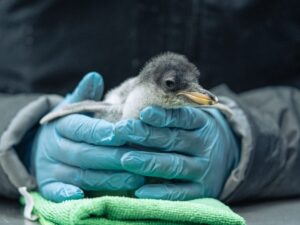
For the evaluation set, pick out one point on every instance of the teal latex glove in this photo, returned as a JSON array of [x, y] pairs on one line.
[[194, 148], [67, 157]]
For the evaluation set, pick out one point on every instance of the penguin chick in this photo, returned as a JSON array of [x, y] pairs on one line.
[[168, 80]]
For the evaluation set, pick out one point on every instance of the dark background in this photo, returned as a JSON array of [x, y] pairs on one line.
[[47, 46]]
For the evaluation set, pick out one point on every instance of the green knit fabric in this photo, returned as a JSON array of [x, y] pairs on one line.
[[130, 211]]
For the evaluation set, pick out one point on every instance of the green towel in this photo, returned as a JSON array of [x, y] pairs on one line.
[[130, 211]]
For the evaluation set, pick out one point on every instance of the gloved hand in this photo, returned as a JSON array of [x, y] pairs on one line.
[[67, 158], [194, 148]]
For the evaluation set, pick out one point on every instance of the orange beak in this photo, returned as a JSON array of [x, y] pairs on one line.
[[200, 98]]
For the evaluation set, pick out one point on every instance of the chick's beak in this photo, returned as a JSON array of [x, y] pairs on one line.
[[202, 97]]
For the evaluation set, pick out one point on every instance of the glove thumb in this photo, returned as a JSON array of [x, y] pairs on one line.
[[89, 88]]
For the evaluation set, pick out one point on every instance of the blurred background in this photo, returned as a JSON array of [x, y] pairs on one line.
[[47, 46]]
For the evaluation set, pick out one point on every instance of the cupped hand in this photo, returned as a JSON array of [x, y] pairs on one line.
[[76, 153], [195, 149]]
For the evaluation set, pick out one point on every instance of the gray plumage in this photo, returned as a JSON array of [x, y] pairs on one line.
[[159, 83]]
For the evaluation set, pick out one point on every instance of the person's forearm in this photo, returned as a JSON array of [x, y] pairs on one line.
[[10, 105], [270, 159], [19, 113]]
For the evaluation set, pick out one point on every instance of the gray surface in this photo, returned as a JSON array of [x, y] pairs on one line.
[[11, 213], [280, 212], [285, 212]]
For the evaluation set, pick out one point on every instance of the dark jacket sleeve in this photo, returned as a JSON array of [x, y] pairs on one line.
[[268, 122], [19, 113]]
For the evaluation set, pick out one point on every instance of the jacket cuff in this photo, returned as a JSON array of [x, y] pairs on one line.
[[241, 127], [20, 124]]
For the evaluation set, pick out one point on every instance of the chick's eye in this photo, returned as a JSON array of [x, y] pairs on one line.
[[170, 83]]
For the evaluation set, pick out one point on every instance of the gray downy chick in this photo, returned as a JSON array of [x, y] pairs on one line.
[[168, 80]]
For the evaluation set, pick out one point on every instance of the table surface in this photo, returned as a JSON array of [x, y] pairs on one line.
[[263, 213]]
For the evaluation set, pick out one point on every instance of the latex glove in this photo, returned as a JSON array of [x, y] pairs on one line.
[[65, 155], [194, 148]]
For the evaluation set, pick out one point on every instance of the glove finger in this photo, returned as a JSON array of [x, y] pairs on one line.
[[95, 180], [88, 156], [90, 87], [164, 139], [165, 165], [58, 191], [185, 117], [82, 128], [178, 192]]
